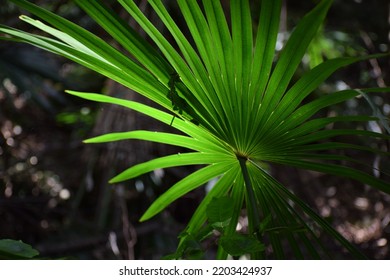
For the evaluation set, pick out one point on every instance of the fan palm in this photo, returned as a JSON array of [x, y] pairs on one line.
[[235, 108]]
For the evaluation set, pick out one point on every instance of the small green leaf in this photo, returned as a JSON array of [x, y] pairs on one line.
[[189, 248], [238, 245], [13, 249], [219, 211], [265, 223]]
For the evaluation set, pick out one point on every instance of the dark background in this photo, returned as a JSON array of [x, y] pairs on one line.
[[54, 193]]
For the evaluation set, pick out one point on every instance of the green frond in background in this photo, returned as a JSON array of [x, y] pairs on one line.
[[238, 109]]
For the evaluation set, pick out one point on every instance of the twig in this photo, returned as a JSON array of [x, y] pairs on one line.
[[128, 230], [373, 61]]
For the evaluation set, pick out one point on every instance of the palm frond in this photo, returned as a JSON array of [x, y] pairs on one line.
[[236, 105]]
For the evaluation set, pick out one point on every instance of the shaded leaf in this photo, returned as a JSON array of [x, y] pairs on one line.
[[238, 245], [13, 249], [220, 211]]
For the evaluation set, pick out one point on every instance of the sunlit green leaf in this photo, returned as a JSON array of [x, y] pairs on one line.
[[184, 186]]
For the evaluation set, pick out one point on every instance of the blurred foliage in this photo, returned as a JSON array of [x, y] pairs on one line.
[[47, 196], [331, 45], [28, 73]]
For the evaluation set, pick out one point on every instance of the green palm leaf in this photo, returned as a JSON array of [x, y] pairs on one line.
[[235, 104], [186, 185]]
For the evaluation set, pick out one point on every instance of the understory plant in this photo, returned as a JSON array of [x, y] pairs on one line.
[[237, 110]]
